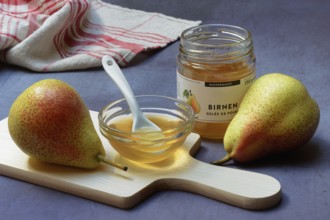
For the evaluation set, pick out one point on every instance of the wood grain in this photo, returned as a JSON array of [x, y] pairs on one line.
[[122, 189]]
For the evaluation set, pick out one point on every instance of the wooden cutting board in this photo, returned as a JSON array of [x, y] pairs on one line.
[[125, 189]]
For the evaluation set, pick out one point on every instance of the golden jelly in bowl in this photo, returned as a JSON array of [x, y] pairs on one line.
[[174, 117]]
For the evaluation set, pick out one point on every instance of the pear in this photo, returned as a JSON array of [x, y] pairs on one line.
[[192, 101], [50, 122], [276, 115]]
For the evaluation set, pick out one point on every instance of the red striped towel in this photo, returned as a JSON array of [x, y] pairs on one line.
[[58, 35]]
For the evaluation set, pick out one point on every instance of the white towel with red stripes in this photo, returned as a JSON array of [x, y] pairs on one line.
[[60, 35]]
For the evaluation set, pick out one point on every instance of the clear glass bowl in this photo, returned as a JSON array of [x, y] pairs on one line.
[[174, 117]]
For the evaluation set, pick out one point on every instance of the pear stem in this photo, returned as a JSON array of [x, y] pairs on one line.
[[101, 158], [222, 161]]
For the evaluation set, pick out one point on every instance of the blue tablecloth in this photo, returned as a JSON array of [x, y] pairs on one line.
[[289, 36]]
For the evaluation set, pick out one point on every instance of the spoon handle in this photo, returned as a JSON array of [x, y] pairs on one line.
[[118, 77]]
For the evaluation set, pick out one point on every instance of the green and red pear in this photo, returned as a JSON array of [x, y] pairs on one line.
[[276, 115], [49, 121]]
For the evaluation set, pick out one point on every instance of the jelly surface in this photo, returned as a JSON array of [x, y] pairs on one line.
[[146, 147]]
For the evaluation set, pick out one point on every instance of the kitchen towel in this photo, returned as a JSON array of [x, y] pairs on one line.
[[60, 35]]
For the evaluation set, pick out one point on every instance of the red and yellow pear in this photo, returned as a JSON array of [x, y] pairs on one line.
[[276, 115], [49, 121], [192, 101]]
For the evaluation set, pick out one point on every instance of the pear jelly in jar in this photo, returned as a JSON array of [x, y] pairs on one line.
[[215, 67]]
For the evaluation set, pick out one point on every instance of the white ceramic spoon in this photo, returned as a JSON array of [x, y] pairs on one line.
[[140, 122]]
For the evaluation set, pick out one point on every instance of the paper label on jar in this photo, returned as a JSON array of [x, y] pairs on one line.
[[213, 101]]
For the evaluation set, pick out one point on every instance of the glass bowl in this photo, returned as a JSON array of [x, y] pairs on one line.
[[174, 117]]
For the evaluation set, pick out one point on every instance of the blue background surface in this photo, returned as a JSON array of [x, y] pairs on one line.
[[289, 36]]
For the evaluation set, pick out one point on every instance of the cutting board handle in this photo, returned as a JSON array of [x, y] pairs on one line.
[[241, 188]]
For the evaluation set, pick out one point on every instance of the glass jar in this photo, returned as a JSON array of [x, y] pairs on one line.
[[215, 67]]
